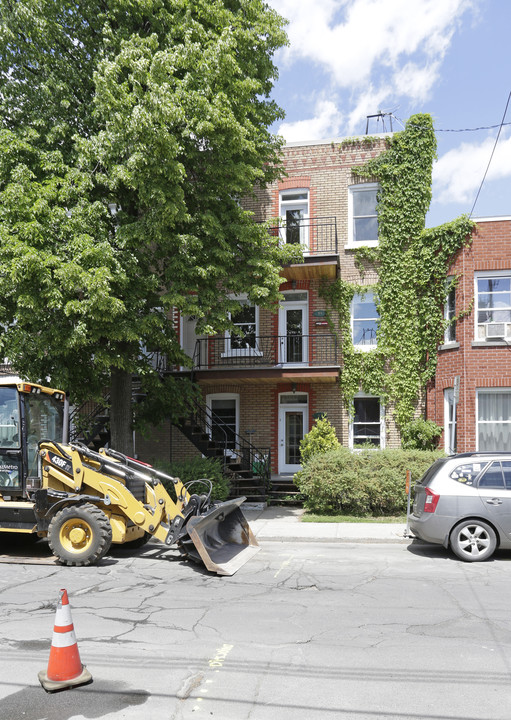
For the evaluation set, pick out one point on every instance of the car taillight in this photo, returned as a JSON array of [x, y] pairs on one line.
[[431, 501]]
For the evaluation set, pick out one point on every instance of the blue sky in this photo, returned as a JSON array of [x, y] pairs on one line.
[[451, 58]]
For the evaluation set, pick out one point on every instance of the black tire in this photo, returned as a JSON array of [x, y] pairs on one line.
[[473, 540], [80, 535]]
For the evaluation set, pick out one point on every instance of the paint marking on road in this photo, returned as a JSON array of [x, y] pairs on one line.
[[215, 663], [283, 565]]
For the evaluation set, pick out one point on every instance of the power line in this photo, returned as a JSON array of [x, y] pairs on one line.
[[492, 152], [460, 130]]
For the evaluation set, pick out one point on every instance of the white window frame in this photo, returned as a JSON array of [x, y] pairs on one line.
[[480, 328], [351, 434], [449, 314], [352, 190], [487, 391], [369, 346], [303, 204], [248, 351], [448, 419]]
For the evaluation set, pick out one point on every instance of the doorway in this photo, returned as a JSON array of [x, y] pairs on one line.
[[293, 425]]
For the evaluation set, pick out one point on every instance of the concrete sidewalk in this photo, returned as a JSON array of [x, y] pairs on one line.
[[284, 524]]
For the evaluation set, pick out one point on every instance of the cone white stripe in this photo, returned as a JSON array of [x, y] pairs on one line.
[[64, 639], [63, 615]]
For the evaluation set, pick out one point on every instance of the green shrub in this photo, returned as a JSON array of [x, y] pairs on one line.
[[320, 439], [195, 469], [371, 482], [420, 434]]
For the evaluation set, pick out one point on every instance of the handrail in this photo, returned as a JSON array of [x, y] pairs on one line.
[[248, 455], [265, 350]]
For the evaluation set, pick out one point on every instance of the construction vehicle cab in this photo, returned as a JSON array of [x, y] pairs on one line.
[[83, 500], [29, 413]]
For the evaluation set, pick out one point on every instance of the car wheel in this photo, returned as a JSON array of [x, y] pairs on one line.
[[473, 540], [80, 535]]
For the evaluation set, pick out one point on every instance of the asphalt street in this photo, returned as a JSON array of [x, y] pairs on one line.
[[305, 630]]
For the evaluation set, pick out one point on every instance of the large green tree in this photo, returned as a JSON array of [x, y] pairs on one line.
[[130, 130]]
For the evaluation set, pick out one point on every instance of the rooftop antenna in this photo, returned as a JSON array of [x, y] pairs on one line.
[[380, 117]]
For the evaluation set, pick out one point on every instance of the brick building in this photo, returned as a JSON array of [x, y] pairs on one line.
[[262, 391], [472, 387]]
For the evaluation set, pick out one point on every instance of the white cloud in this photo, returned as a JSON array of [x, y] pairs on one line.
[[390, 48], [326, 123], [458, 174]]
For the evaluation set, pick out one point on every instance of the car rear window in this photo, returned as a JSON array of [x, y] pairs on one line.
[[432, 471], [467, 472]]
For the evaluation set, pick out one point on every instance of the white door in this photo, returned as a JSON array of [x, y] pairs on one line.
[[189, 341], [294, 211], [293, 425], [293, 329]]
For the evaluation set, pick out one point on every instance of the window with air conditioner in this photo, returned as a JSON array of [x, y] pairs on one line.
[[493, 306]]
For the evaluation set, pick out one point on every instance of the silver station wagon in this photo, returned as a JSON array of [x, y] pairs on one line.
[[464, 502]]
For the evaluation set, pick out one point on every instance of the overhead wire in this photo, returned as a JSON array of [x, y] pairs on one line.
[[492, 153]]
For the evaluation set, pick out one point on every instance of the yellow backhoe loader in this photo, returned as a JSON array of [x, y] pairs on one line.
[[83, 500]]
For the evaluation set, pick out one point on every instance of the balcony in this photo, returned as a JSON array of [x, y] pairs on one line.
[[318, 239], [267, 358]]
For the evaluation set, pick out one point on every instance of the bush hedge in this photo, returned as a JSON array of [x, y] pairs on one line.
[[195, 469], [366, 483]]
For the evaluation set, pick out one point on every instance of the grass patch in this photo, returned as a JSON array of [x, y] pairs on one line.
[[312, 517]]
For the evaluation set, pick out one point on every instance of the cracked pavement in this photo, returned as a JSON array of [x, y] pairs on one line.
[[302, 631]]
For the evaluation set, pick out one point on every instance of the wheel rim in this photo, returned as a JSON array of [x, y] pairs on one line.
[[76, 535], [474, 540]]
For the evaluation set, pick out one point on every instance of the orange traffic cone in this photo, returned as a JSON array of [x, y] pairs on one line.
[[65, 669]]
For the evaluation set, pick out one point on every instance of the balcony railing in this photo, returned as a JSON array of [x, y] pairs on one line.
[[318, 236], [265, 351]]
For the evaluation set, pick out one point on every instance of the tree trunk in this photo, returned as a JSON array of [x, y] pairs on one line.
[[121, 413]]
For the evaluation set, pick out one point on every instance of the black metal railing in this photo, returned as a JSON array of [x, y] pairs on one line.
[[236, 449], [318, 236], [266, 351]]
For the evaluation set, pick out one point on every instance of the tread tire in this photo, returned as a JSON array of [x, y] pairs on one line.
[[92, 521]]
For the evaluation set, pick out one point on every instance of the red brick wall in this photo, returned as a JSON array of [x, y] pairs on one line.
[[478, 367]]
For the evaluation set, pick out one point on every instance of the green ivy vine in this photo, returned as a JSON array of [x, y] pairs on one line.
[[412, 264]]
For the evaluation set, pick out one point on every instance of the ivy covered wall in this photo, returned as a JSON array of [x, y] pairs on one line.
[[411, 262]]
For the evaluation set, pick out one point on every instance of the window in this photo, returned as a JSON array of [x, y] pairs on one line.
[[368, 423], [493, 311], [294, 211], [245, 341], [362, 215], [364, 321], [493, 420], [450, 314], [449, 441], [466, 473]]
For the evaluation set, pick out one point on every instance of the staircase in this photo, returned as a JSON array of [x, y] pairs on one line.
[[246, 466], [283, 491], [90, 424]]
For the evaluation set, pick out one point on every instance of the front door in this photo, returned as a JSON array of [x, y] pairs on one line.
[[293, 425], [293, 329]]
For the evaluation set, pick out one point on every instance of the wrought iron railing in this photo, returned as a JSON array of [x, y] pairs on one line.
[[318, 236], [266, 350], [236, 449]]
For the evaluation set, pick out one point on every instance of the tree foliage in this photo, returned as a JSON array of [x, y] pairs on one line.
[[130, 130]]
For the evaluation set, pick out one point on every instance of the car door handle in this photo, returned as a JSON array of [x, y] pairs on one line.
[[494, 501]]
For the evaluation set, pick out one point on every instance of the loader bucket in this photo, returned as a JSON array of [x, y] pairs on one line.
[[223, 537]]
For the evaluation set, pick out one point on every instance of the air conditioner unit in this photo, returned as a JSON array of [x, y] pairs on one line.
[[495, 330]]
